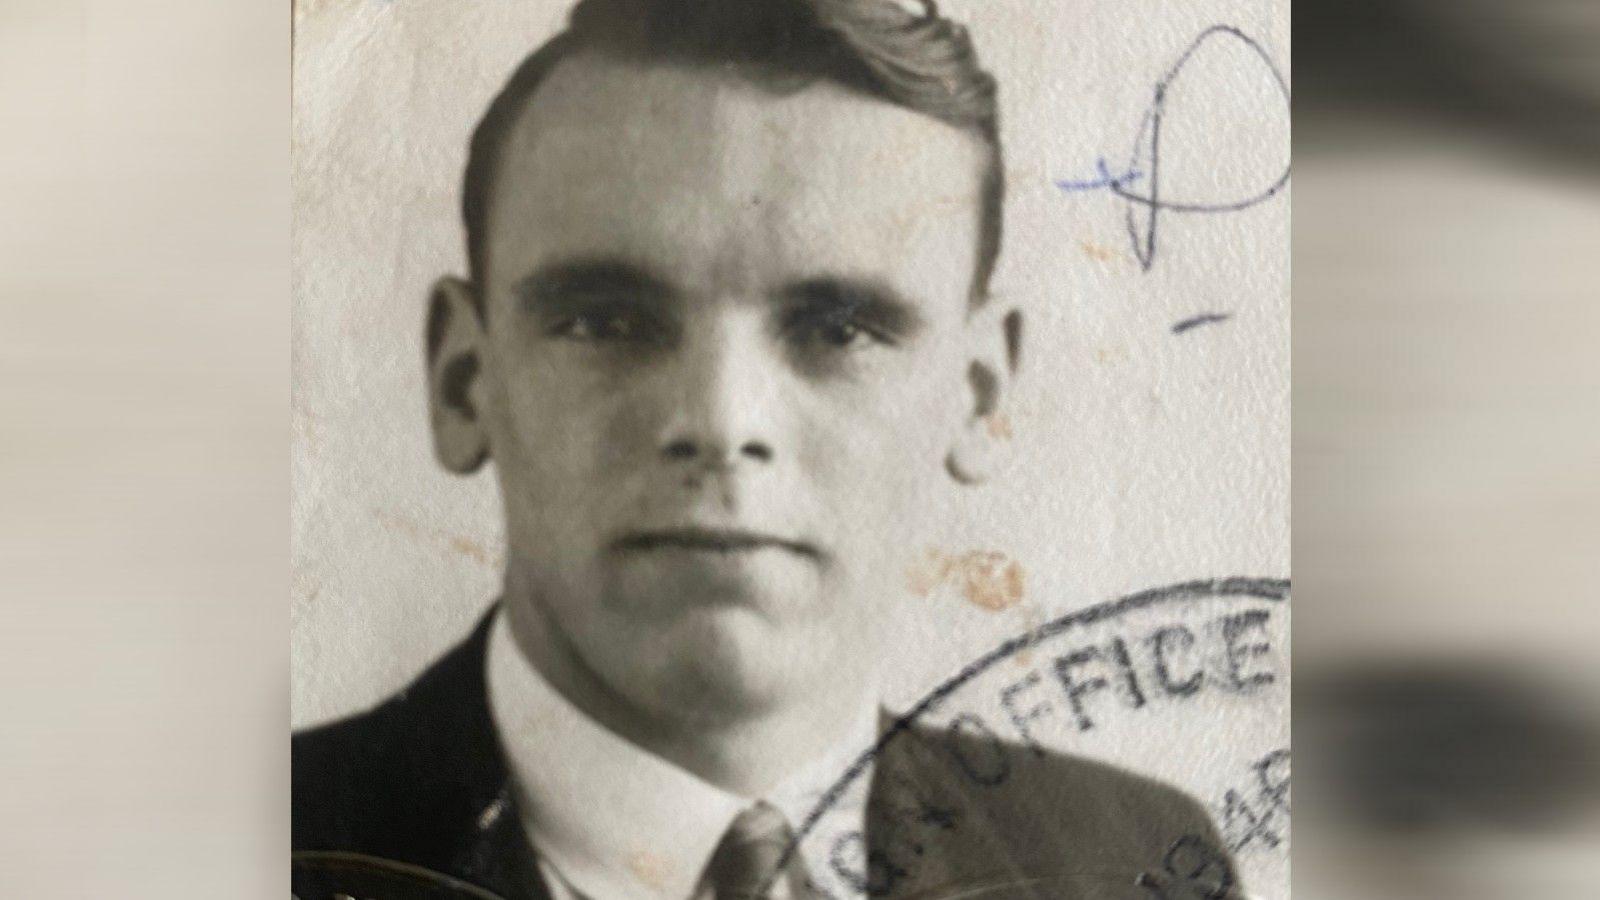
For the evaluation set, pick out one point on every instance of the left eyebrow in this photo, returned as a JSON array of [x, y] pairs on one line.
[[558, 286], [878, 303]]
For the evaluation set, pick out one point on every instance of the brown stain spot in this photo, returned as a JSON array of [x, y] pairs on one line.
[[456, 543], [1032, 618], [987, 579], [306, 423], [1095, 251], [472, 549], [991, 580], [928, 573], [1109, 356], [999, 425], [650, 868], [397, 522]]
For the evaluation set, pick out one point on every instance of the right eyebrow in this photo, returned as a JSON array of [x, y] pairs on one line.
[[560, 284]]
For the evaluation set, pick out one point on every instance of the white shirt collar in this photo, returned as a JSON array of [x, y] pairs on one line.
[[617, 821]]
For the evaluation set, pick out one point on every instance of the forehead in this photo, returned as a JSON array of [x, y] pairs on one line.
[[720, 180]]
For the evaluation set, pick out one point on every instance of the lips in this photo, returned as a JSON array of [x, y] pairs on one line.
[[710, 540]]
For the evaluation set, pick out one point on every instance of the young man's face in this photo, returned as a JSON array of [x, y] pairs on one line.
[[726, 353]]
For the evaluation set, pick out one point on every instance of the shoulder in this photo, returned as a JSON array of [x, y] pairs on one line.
[[426, 754], [1049, 780], [1050, 806]]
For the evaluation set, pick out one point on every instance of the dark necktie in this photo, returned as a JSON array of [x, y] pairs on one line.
[[745, 865]]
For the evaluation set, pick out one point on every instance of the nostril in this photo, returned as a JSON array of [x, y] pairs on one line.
[[680, 449], [757, 450]]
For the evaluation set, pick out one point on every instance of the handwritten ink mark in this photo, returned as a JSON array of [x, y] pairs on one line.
[[1144, 242], [1104, 179], [1147, 147], [1202, 319]]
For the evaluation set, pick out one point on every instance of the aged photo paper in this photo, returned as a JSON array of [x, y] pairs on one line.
[[790, 448]]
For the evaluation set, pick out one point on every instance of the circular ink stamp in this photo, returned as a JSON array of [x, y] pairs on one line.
[[1134, 748]]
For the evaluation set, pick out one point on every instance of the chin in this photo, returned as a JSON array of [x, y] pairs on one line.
[[725, 663], [713, 639]]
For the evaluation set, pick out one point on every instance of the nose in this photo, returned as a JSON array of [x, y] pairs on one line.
[[689, 449], [727, 409]]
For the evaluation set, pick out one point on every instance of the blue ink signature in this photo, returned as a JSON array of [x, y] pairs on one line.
[[1105, 179], [1149, 203]]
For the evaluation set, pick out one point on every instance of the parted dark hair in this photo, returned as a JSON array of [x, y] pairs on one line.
[[915, 59]]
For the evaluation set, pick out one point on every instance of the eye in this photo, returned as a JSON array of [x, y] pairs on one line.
[[609, 325], [841, 334], [836, 330]]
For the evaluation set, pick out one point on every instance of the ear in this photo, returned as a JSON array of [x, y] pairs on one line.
[[995, 337], [455, 343]]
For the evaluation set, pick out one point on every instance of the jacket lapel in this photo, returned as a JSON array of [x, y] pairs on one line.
[[498, 855], [928, 834], [490, 849]]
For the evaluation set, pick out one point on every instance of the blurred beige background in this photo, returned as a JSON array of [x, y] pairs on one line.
[[1447, 449], [143, 420], [1449, 483], [1447, 496]]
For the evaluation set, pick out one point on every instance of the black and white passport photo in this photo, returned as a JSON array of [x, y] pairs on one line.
[[790, 449]]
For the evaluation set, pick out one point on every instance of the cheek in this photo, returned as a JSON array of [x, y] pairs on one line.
[[564, 435], [880, 446]]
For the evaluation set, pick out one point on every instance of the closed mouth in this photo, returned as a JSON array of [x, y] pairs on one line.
[[710, 540]]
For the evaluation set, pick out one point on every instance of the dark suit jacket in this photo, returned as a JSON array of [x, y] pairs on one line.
[[420, 781]]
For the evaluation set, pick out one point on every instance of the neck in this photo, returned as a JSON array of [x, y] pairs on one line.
[[745, 755]]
